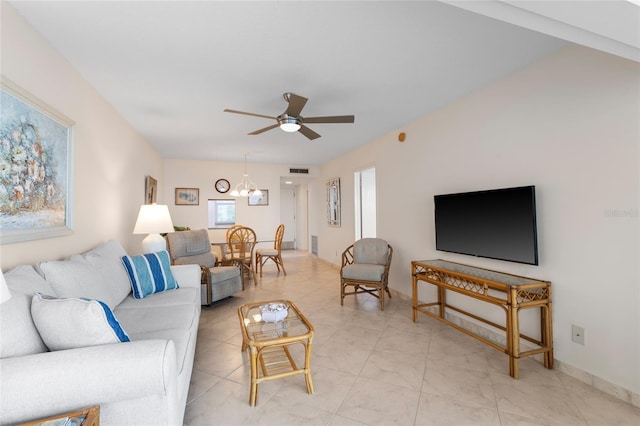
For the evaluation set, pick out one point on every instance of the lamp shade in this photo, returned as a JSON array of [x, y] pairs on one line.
[[153, 219], [4, 290]]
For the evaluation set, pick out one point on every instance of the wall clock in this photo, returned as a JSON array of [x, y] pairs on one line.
[[222, 185]]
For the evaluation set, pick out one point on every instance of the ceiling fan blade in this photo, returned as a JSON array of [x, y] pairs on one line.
[[296, 103], [308, 132], [248, 113], [264, 129], [330, 119]]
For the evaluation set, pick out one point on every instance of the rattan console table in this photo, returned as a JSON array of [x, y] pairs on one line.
[[511, 292]]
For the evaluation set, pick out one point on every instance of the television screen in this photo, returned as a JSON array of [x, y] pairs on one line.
[[497, 224]]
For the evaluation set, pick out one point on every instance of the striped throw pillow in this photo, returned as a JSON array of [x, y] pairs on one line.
[[67, 323], [149, 273]]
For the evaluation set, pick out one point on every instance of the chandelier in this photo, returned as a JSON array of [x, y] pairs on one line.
[[246, 186]]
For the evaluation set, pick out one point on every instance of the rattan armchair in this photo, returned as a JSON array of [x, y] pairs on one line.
[[365, 269]]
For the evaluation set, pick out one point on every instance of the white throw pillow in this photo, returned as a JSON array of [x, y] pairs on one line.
[[18, 333], [106, 258], [77, 278], [75, 323]]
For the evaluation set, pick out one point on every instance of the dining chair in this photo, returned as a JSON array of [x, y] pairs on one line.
[[225, 247], [275, 254], [365, 269], [241, 244]]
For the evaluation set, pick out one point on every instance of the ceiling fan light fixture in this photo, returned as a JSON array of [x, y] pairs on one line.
[[289, 124]]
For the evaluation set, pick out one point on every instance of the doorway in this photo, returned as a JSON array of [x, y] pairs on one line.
[[288, 217], [365, 203]]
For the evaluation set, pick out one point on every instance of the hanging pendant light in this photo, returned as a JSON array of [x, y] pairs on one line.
[[246, 187]]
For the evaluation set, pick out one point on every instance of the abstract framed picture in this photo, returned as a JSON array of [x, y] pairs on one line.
[[150, 190], [187, 196], [259, 200], [36, 168]]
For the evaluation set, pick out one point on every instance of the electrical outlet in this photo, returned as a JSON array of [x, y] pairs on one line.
[[577, 334]]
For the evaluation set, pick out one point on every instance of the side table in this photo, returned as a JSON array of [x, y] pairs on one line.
[[268, 344]]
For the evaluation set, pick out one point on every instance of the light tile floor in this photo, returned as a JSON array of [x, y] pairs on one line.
[[378, 368]]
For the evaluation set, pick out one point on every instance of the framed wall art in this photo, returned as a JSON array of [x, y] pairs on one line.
[[150, 190], [187, 196], [36, 168], [333, 202], [259, 200]]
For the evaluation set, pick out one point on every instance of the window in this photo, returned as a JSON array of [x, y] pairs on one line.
[[222, 213]]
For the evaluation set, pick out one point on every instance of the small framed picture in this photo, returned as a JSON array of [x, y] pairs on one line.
[[187, 196], [259, 200], [151, 190]]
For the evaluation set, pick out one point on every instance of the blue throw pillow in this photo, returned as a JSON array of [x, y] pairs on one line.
[[149, 273]]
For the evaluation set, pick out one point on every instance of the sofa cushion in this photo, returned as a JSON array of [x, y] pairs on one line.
[[19, 335], [149, 273], [107, 259], [75, 323], [180, 296], [77, 278], [156, 318]]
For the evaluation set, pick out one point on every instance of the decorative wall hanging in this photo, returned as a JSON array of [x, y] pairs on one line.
[[259, 200], [187, 196], [333, 202], [36, 168], [150, 190]]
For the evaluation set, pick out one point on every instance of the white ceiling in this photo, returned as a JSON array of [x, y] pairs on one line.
[[171, 67]]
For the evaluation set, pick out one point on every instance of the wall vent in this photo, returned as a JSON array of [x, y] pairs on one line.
[[314, 244], [299, 171]]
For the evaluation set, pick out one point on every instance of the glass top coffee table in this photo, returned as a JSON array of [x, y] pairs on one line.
[[268, 341]]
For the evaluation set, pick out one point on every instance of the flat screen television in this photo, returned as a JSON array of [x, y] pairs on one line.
[[496, 224]]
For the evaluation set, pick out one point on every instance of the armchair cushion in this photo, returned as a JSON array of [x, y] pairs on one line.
[[363, 272], [371, 250], [149, 273], [75, 323], [206, 259]]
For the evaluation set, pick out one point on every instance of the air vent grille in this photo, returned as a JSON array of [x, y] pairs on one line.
[[299, 171]]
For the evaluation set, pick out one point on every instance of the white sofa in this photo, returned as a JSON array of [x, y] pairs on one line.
[[144, 381]]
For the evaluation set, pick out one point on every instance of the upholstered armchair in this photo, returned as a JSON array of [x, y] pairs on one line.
[[365, 269], [194, 247]]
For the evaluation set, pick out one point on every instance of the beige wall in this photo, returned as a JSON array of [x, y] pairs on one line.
[[111, 159], [567, 124], [203, 175]]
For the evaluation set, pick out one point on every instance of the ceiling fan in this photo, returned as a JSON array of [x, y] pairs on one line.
[[292, 121]]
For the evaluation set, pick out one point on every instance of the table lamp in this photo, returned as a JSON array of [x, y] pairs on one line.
[[153, 219], [4, 290]]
